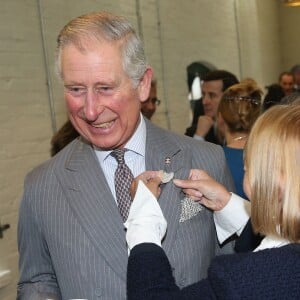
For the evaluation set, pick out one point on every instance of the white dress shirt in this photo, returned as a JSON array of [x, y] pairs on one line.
[[232, 218], [146, 223], [134, 158]]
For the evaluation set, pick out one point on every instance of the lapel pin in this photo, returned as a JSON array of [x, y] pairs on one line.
[[167, 160]]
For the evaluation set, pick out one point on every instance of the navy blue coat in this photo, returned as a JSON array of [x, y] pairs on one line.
[[267, 274]]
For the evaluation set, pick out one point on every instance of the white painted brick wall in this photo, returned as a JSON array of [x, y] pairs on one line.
[[289, 42], [175, 33]]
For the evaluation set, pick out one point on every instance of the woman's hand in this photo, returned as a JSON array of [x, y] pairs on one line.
[[204, 189]]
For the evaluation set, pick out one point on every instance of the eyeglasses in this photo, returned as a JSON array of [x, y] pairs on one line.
[[243, 98], [154, 101]]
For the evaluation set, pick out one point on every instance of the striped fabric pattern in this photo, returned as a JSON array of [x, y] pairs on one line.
[[71, 235]]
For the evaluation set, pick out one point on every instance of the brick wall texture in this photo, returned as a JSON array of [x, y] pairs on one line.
[[249, 38]]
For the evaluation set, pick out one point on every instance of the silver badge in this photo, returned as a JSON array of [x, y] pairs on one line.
[[167, 177]]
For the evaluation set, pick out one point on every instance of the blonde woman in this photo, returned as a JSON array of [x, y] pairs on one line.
[[272, 176]]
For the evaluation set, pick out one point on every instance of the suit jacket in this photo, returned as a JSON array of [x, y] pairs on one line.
[[71, 235], [266, 275]]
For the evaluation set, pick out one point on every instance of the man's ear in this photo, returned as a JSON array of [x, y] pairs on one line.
[[145, 85]]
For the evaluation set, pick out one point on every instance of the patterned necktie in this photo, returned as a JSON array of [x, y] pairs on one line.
[[123, 180]]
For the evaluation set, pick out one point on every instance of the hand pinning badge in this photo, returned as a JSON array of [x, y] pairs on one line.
[[189, 208], [167, 177]]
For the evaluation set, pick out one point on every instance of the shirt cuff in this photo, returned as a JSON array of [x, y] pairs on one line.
[[146, 222], [198, 137], [232, 218]]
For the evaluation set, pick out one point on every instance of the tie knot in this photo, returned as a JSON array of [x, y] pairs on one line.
[[118, 154]]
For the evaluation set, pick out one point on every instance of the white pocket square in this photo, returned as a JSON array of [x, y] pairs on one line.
[[189, 209]]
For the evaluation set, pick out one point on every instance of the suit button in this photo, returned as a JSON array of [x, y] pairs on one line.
[[98, 292]]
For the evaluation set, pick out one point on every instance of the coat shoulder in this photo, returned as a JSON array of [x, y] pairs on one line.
[[57, 163], [259, 275], [183, 141]]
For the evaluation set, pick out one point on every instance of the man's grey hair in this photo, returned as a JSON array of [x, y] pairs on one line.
[[102, 27]]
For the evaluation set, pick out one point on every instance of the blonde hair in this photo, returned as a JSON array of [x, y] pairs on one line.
[[102, 27], [272, 159], [240, 105]]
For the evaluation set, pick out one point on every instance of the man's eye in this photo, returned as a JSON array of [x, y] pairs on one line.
[[76, 90], [103, 89]]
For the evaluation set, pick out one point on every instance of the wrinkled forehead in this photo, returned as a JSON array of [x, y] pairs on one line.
[[86, 44]]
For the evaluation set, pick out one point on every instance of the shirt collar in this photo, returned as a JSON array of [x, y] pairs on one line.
[[271, 242]]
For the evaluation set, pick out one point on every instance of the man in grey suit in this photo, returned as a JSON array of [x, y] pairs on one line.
[[71, 235]]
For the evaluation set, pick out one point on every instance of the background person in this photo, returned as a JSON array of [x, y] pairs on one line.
[[296, 94], [214, 84], [277, 91], [238, 109], [149, 106], [71, 224], [273, 270], [66, 134], [286, 82]]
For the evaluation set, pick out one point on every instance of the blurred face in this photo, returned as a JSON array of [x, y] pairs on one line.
[[148, 107], [102, 103], [211, 96], [287, 84]]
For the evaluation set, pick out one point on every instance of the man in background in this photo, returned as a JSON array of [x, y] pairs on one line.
[[286, 82], [148, 107], [277, 91], [214, 84]]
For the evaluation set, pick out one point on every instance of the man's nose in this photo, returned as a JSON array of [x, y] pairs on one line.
[[205, 99], [92, 106]]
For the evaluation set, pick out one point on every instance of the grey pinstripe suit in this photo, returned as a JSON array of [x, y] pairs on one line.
[[71, 235]]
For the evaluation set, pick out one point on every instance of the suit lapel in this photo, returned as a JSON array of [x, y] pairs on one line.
[[93, 204], [91, 200], [163, 154]]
